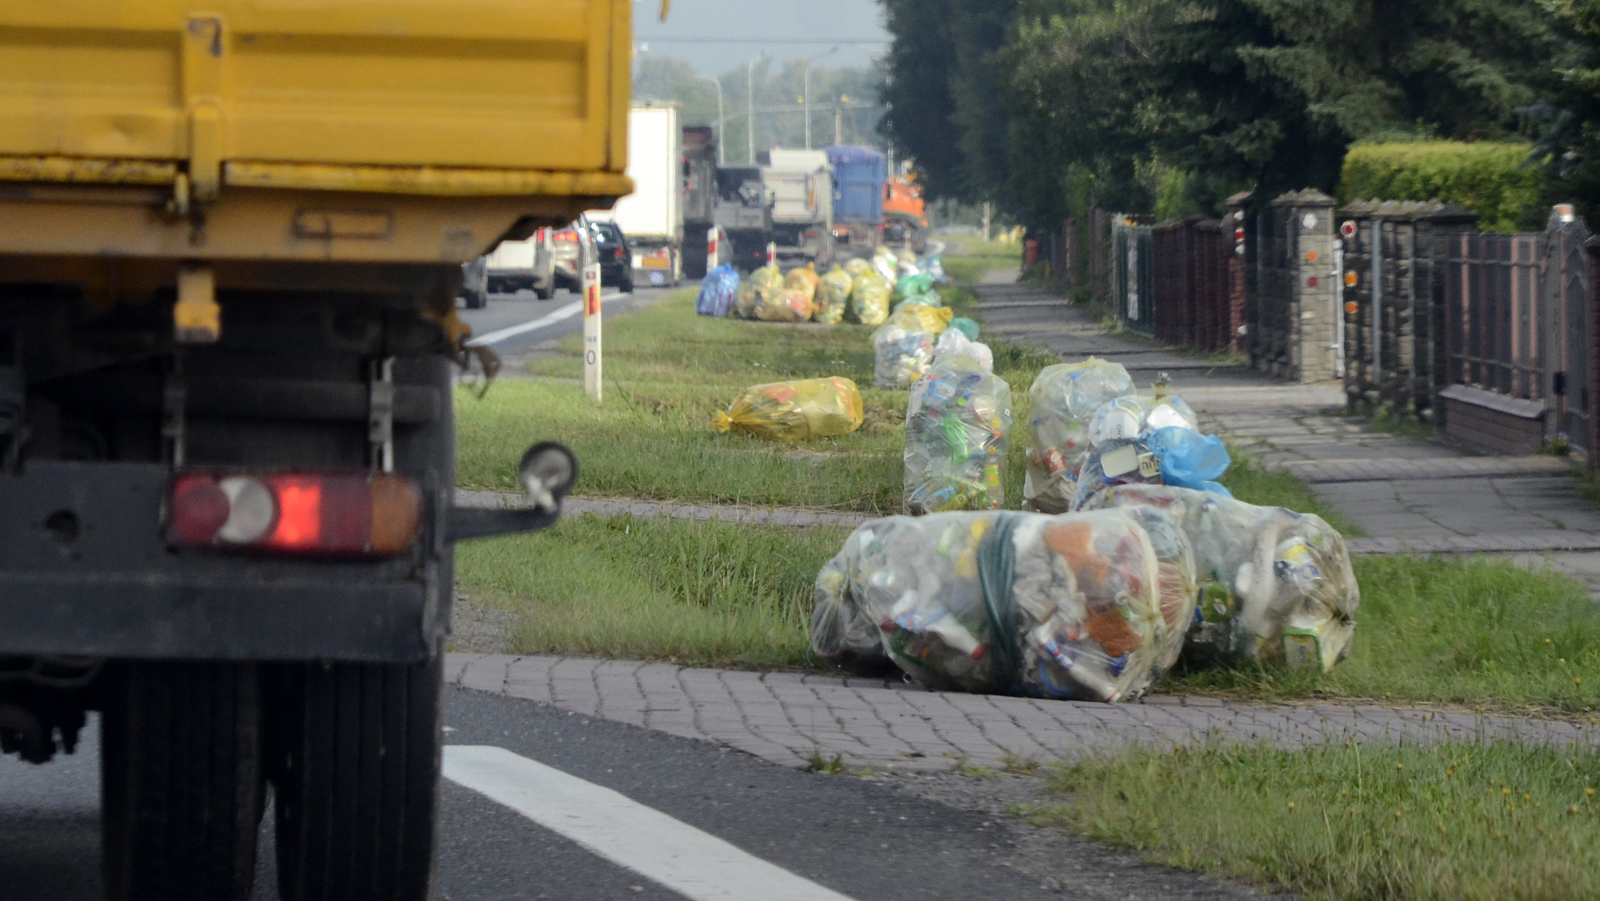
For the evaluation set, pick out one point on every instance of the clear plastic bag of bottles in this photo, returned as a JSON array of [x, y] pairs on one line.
[[1275, 586], [833, 296], [1088, 606], [869, 299], [901, 354], [956, 427], [1061, 402], [717, 292]]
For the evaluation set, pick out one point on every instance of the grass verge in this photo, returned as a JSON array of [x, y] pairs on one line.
[[1450, 630], [698, 593], [1447, 822]]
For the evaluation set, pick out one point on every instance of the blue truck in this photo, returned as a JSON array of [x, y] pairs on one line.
[[859, 174]]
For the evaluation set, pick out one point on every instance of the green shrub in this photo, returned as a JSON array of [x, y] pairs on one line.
[[1487, 178]]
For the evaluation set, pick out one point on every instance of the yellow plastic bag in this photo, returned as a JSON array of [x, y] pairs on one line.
[[915, 317], [802, 279], [833, 296], [869, 299], [857, 267], [794, 411], [784, 305], [757, 290]]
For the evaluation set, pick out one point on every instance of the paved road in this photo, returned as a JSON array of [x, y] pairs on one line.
[[564, 806], [518, 325]]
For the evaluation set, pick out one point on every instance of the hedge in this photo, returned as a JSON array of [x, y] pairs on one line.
[[1488, 178]]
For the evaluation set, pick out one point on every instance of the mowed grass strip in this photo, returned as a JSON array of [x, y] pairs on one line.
[[1352, 822], [697, 593], [669, 372], [1453, 630]]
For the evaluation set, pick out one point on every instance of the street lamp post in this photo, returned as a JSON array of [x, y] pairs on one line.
[[722, 122], [750, 109], [806, 100]]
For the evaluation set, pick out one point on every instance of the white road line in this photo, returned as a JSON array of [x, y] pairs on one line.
[[549, 319], [699, 866]]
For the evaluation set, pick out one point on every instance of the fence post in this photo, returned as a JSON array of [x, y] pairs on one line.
[[1591, 249], [1442, 230]]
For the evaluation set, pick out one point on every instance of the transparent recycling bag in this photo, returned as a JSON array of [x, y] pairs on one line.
[[1173, 455], [756, 290], [1079, 606], [956, 427], [717, 292], [1275, 585], [869, 299], [1061, 402], [784, 305], [833, 296], [955, 343], [794, 411]]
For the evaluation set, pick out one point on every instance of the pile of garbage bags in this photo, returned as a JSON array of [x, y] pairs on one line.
[[1274, 585], [1087, 606], [956, 428], [795, 411]]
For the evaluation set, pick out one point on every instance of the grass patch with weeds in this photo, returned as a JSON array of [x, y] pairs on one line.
[[1445, 822], [698, 593], [1450, 630]]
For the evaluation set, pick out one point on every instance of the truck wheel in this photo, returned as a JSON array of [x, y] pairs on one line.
[[356, 754], [544, 293], [181, 785]]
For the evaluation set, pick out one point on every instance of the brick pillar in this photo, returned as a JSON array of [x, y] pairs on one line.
[[1311, 303], [1233, 237]]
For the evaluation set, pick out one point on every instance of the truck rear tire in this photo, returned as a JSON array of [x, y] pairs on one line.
[[355, 753], [181, 782]]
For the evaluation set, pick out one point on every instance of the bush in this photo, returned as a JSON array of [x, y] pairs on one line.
[[1490, 179]]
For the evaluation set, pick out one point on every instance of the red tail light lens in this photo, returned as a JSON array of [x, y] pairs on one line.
[[318, 513], [567, 237]]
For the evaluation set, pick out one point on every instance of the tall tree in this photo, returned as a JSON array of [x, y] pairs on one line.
[[1272, 92], [918, 95], [1570, 113]]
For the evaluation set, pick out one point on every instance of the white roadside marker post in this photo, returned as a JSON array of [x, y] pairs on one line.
[[712, 253], [772, 253], [591, 315]]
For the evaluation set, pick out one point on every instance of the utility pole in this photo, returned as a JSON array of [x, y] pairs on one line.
[[806, 100], [838, 125]]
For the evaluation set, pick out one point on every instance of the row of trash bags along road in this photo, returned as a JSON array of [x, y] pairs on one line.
[[1128, 555], [859, 290]]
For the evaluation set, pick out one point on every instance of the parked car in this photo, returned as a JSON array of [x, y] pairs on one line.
[[565, 253], [528, 263], [475, 283], [616, 256]]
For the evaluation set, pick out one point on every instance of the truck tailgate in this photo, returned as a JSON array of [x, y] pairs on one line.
[[315, 93]]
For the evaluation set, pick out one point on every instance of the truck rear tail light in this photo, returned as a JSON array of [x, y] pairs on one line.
[[566, 237], [318, 513]]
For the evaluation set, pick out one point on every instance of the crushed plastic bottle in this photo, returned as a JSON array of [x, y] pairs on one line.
[[1061, 402], [795, 411], [957, 423], [1079, 606], [1274, 586]]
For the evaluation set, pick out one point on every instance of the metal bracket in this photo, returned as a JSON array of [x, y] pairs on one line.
[[380, 413], [174, 400]]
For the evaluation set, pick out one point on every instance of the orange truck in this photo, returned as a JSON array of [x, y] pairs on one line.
[[232, 249], [905, 218]]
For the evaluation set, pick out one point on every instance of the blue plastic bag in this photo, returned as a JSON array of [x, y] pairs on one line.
[[1190, 459], [717, 291]]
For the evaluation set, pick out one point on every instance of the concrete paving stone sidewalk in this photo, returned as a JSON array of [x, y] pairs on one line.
[[795, 719]]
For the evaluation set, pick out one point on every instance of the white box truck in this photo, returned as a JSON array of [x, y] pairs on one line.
[[800, 183], [651, 217]]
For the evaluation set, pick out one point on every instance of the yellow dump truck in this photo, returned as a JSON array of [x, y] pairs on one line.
[[231, 237]]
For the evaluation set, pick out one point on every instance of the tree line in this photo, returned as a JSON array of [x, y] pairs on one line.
[[1049, 106]]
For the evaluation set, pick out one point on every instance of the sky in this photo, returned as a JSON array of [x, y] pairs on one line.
[[742, 29]]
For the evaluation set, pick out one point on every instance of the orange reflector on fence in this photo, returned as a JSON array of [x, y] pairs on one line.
[[1352, 307], [1350, 279]]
